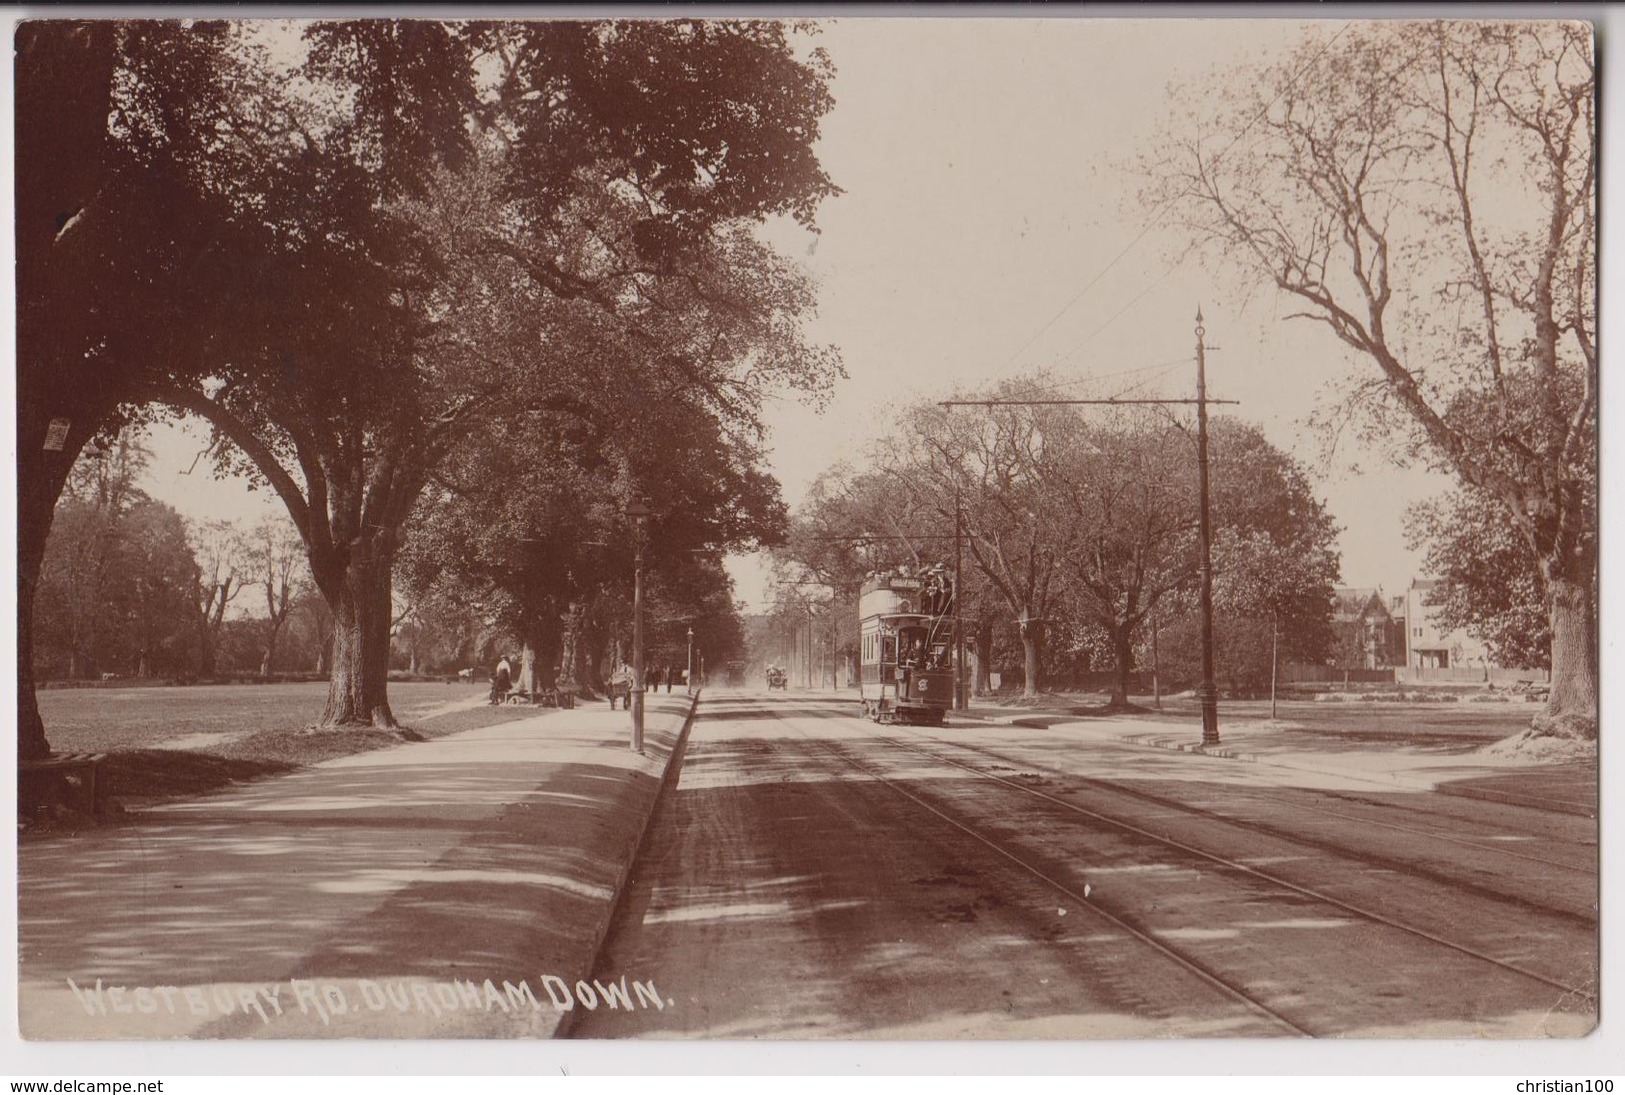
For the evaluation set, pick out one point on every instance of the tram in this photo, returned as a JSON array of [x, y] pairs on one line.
[[906, 631]]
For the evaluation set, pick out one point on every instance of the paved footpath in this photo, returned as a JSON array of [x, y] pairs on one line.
[[457, 888]]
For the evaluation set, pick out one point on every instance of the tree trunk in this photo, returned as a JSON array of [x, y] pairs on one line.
[[31, 741], [547, 639], [270, 649], [982, 649], [1123, 652], [527, 665], [275, 620], [1032, 650], [569, 675], [1574, 654], [62, 91], [205, 655], [357, 592]]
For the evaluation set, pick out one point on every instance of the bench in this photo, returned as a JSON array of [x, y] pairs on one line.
[[1532, 691], [67, 779]]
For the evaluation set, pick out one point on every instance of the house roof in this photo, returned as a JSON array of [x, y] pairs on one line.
[[1354, 602]]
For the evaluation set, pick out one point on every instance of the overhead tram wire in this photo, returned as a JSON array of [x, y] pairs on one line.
[[1207, 690], [1092, 378], [1161, 207]]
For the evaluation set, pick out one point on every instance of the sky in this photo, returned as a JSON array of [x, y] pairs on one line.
[[987, 170], [988, 227]]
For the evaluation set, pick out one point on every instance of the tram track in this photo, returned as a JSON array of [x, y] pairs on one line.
[[1438, 808], [1586, 919], [1266, 877], [1587, 868], [1188, 963], [906, 889]]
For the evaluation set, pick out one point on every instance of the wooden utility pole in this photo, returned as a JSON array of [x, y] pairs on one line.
[[962, 698], [1207, 692]]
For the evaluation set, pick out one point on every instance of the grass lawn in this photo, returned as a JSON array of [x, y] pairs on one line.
[[1464, 722], [169, 742]]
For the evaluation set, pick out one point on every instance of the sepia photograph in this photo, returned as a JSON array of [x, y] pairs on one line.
[[714, 528]]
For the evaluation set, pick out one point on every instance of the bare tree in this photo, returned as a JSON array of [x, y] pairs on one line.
[[1427, 191], [274, 559], [222, 571], [982, 468]]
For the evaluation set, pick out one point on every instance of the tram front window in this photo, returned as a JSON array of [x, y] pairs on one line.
[[913, 645]]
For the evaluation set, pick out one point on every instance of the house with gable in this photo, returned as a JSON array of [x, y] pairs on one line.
[[1368, 637]]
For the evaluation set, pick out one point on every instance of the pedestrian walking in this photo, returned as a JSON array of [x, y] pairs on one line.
[[620, 687], [501, 681]]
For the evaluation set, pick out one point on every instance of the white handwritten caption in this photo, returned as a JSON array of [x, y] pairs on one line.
[[329, 1001]]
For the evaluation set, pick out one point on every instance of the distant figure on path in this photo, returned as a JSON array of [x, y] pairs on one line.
[[620, 686], [671, 675], [653, 683], [501, 682]]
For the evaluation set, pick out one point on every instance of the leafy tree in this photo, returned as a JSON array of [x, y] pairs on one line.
[[1371, 180], [117, 572], [852, 525], [1490, 581], [1084, 523], [461, 219], [152, 599], [1128, 528], [980, 469], [527, 522], [81, 563], [116, 255], [1127, 534]]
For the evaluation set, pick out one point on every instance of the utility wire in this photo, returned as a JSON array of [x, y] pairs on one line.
[[1095, 378], [1161, 206]]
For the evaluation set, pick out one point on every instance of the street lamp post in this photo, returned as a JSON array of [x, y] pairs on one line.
[[639, 512], [689, 677]]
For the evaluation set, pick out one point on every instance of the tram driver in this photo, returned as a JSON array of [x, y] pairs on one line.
[[915, 658]]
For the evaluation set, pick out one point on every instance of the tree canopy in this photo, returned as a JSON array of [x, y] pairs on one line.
[[431, 225], [1427, 193], [1079, 527]]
